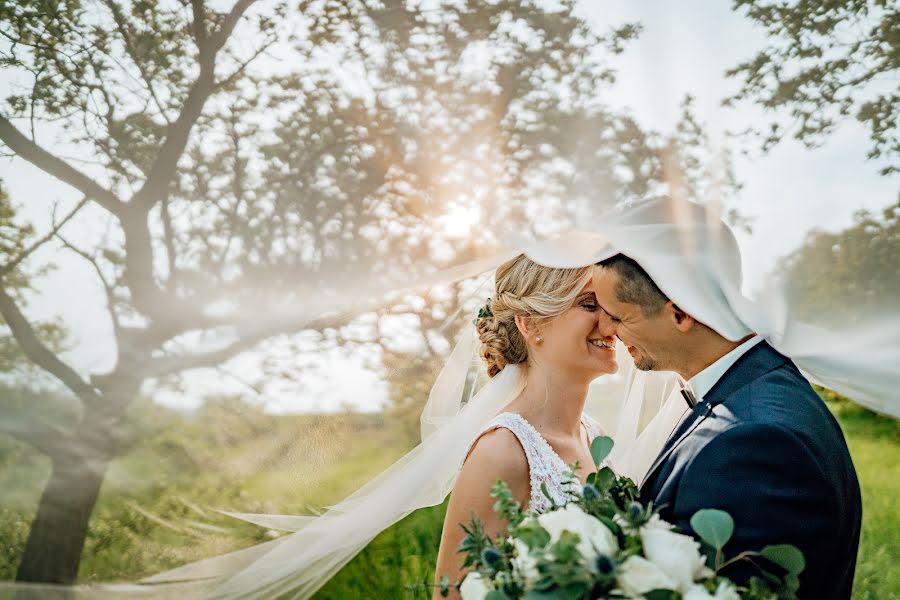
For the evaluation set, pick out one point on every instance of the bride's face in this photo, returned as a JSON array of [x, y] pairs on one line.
[[575, 342]]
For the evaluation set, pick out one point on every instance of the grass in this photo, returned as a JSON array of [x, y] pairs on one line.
[[154, 508], [874, 443], [385, 570]]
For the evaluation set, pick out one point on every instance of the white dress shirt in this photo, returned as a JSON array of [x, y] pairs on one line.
[[704, 381]]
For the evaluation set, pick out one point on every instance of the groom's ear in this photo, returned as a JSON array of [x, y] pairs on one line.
[[683, 322]]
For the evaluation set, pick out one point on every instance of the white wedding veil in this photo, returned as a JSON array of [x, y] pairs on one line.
[[693, 257]]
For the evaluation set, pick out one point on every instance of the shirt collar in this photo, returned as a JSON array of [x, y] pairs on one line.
[[704, 381]]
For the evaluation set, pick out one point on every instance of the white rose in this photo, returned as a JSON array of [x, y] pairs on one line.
[[595, 538], [474, 587], [725, 591], [525, 563], [637, 576], [676, 554], [655, 522]]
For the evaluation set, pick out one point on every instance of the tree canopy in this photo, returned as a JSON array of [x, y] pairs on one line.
[[824, 62]]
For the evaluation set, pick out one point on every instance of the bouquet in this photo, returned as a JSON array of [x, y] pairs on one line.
[[602, 543]]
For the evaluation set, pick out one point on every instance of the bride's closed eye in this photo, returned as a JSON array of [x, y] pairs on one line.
[[589, 302]]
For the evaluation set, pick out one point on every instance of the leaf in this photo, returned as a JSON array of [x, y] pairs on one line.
[[715, 527], [786, 556], [600, 448], [662, 595], [605, 479], [496, 595], [541, 595], [792, 582]]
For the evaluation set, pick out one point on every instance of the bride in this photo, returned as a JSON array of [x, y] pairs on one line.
[[546, 321]]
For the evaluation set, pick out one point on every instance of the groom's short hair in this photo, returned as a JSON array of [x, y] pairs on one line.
[[635, 286]]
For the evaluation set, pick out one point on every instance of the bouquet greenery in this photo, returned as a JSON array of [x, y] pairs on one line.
[[602, 543]]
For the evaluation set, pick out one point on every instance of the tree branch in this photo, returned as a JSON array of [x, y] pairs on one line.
[[169, 365], [198, 25], [107, 288], [38, 353], [11, 265], [163, 169], [219, 38], [123, 28], [47, 439], [50, 164]]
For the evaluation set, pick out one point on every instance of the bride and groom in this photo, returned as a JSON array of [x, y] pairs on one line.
[[746, 434], [755, 440]]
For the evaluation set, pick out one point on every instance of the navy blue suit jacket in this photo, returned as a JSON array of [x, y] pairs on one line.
[[763, 447]]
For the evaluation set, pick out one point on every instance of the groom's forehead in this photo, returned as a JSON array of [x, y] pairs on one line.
[[605, 283]]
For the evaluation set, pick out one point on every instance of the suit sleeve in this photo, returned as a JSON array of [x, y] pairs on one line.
[[771, 485]]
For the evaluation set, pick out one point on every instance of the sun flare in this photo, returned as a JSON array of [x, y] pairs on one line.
[[458, 221]]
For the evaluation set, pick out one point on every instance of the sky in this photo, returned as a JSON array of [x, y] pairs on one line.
[[685, 48]]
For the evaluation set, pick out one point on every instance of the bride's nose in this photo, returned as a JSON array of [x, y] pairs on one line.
[[605, 324]]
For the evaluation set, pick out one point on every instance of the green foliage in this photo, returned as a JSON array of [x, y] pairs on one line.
[[874, 443], [875, 446], [785, 556], [506, 506], [600, 449], [16, 238], [825, 61], [662, 595], [715, 527], [841, 276], [254, 462]]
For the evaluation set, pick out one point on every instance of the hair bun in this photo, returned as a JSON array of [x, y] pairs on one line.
[[523, 287]]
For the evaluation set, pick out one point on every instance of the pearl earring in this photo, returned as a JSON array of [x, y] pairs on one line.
[[539, 339]]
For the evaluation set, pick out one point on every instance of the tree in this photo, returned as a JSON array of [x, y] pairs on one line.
[[843, 275], [826, 61], [267, 170]]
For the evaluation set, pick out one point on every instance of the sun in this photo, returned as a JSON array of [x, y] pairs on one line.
[[458, 221]]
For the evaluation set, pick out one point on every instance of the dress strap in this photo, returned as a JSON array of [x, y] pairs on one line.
[[592, 427], [545, 467]]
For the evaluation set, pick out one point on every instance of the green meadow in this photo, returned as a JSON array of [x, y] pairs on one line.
[[156, 509]]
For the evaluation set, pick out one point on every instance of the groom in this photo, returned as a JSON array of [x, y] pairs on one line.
[[758, 441]]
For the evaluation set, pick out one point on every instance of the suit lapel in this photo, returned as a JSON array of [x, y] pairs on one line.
[[758, 361], [684, 428]]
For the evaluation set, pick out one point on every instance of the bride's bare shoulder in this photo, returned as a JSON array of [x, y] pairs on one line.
[[496, 454]]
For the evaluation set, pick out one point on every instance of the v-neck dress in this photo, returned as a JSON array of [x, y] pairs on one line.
[[544, 465]]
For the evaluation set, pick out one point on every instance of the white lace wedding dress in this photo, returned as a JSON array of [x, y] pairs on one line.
[[544, 465]]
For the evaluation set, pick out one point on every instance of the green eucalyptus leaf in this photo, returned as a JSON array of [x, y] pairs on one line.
[[715, 527], [792, 582], [785, 556], [600, 448]]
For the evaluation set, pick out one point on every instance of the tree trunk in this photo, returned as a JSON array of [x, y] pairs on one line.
[[57, 535]]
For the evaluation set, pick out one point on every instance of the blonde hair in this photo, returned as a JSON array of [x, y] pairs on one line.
[[523, 287]]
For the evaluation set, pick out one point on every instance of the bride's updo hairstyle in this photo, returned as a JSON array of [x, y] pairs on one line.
[[523, 287]]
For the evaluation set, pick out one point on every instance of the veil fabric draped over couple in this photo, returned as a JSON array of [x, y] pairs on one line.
[[694, 258]]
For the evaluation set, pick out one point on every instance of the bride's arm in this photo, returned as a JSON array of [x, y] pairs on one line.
[[496, 455]]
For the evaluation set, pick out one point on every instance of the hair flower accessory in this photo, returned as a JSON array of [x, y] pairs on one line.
[[484, 312]]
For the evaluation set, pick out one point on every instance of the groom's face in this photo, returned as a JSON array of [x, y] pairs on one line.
[[651, 340]]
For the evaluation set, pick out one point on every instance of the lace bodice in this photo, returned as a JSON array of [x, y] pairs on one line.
[[544, 464]]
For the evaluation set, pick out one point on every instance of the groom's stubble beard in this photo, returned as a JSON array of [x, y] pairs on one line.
[[646, 364]]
